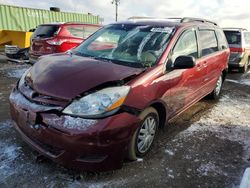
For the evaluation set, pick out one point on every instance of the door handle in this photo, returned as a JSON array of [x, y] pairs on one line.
[[198, 67], [205, 64]]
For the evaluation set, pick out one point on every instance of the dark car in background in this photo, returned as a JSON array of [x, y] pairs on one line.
[[58, 37], [106, 99], [239, 44]]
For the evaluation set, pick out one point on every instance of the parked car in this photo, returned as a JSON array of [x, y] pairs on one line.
[[106, 100], [239, 44], [14, 52], [58, 37]]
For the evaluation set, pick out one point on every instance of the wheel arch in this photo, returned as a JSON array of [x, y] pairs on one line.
[[224, 74], [162, 112]]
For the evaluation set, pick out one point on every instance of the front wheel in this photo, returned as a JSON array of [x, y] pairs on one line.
[[144, 136], [217, 90]]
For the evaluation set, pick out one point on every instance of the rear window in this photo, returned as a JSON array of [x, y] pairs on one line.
[[233, 37], [80, 31], [45, 31]]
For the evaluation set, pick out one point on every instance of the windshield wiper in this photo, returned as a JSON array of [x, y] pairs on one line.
[[103, 58], [41, 35]]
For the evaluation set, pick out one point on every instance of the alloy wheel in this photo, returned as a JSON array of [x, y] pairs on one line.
[[146, 134]]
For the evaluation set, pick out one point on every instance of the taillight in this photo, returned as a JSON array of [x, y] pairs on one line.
[[56, 42], [239, 50]]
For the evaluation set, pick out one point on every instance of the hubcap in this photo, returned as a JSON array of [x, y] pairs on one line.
[[146, 134], [218, 86]]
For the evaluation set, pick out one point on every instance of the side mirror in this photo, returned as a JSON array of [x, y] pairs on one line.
[[184, 62]]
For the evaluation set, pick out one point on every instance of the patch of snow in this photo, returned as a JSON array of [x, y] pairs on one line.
[[245, 182], [229, 120], [171, 176], [18, 99], [245, 82], [4, 126], [139, 160], [17, 73], [169, 152], [68, 122], [209, 169], [196, 160], [170, 173], [242, 81], [8, 154], [1, 96], [78, 123]]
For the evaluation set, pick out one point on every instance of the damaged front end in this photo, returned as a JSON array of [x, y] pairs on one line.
[[52, 127]]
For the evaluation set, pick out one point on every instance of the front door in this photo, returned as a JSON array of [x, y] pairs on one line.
[[187, 81]]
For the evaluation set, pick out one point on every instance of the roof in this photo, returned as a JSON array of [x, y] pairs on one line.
[[170, 22], [70, 23]]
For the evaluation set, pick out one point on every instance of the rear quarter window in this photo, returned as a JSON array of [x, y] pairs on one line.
[[208, 42], [221, 39], [80, 31]]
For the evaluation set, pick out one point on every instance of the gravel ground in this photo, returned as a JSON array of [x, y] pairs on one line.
[[206, 146]]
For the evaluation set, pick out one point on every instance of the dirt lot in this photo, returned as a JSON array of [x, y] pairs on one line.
[[207, 146]]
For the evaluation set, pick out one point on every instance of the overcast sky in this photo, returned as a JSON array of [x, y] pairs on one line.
[[228, 13]]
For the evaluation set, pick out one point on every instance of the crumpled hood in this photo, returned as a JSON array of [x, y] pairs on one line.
[[66, 76]]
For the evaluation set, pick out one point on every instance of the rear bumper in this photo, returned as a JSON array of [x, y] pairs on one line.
[[235, 65], [101, 147], [238, 60]]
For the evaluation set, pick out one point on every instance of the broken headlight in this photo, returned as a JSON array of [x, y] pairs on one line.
[[22, 79], [98, 103]]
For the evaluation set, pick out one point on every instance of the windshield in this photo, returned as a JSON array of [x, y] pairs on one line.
[[45, 31], [130, 45]]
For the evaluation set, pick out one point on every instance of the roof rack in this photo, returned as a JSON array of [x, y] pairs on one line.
[[190, 19], [234, 28], [178, 19]]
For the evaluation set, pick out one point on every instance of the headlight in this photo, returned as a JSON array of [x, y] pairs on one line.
[[22, 79], [99, 102]]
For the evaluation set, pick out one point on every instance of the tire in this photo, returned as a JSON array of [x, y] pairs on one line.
[[215, 94], [136, 149]]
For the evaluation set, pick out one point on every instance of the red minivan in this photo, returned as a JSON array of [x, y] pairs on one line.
[[58, 37], [105, 100]]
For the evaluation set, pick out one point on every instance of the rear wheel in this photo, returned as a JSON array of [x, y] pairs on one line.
[[144, 136], [217, 90]]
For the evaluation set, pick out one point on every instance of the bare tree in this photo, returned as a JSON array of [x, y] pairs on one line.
[[116, 2]]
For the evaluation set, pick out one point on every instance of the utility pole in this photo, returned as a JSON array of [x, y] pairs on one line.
[[116, 2]]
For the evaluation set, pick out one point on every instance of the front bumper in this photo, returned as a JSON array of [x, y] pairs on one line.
[[100, 146]]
